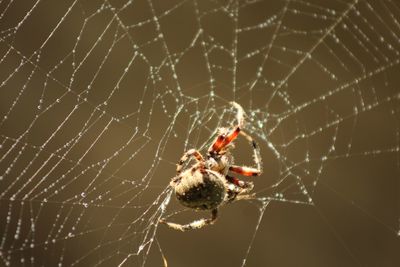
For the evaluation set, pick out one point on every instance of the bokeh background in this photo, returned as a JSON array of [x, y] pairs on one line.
[[99, 99]]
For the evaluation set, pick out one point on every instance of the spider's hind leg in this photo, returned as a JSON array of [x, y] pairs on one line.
[[195, 224]]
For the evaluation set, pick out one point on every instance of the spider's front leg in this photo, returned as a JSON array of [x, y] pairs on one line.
[[256, 154], [245, 171], [249, 171], [193, 225], [224, 140]]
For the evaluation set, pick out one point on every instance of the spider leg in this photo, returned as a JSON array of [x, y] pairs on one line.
[[246, 171], [222, 140], [239, 114], [195, 224], [190, 153]]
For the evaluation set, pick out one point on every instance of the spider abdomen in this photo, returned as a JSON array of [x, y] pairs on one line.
[[201, 190]]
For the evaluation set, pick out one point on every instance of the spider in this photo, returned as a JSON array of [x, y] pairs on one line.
[[206, 185]]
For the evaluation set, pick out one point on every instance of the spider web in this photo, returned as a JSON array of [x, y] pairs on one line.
[[99, 99]]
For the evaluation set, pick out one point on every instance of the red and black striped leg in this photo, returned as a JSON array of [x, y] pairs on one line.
[[222, 140], [246, 171], [217, 145], [232, 136]]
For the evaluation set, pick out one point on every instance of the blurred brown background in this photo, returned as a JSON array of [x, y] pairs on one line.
[[99, 99]]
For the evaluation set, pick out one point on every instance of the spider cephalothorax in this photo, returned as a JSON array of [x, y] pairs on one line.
[[206, 185]]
